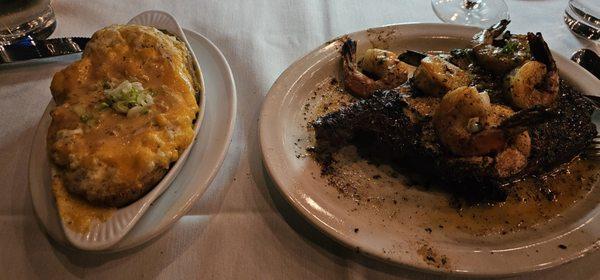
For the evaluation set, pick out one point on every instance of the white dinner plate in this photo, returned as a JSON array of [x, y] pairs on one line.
[[205, 157], [283, 129]]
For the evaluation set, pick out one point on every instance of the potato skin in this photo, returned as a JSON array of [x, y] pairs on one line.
[[109, 194]]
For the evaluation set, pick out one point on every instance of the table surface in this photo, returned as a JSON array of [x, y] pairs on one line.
[[241, 227]]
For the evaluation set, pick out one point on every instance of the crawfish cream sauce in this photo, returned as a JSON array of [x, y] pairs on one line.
[[124, 113], [77, 213], [401, 198]]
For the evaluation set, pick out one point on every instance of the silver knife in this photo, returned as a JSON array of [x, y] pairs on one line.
[[28, 48]]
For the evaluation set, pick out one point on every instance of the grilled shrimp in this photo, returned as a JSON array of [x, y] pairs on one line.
[[378, 62], [536, 82], [435, 76], [500, 55], [459, 121], [378, 70], [469, 125]]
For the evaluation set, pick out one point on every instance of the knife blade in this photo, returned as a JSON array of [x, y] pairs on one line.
[[29, 48]]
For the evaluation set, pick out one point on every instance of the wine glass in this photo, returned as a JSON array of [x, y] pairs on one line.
[[18, 19], [481, 13]]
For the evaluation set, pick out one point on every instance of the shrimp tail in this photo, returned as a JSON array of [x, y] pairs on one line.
[[540, 51], [349, 51], [526, 118], [495, 139], [498, 28], [486, 36]]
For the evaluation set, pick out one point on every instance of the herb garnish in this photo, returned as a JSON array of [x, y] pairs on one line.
[[510, 47]]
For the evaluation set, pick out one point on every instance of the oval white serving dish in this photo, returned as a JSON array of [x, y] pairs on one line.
[[282, 122], [103, 235], [202, 166]]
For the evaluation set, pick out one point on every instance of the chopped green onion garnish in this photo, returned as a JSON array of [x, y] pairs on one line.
[[129, 96], [85, 118], [510, 47]]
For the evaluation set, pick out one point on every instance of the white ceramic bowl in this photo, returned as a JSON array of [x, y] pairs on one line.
[[103, 235], [282, 122]]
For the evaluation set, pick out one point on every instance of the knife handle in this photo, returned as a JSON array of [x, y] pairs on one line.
[[29, 48]]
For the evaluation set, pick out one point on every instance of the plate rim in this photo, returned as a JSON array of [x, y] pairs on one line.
[[232, 108], [267, 143]]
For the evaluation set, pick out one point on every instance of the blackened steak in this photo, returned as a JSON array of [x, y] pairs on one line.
[[393, 125], [559, 139]]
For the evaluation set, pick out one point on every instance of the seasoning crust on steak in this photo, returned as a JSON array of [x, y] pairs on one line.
[[387, 125], [474, 119]]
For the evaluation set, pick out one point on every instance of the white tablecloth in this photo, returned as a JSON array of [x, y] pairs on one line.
[[241, 228]]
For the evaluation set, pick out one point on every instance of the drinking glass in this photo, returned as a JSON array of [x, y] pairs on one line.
[[583, 18], [20, 18], [481, 13]]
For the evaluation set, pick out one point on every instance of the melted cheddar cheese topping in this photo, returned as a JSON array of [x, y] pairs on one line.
[[106, 157]]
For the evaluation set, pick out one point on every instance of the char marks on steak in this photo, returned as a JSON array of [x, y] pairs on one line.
[[396, 127]]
